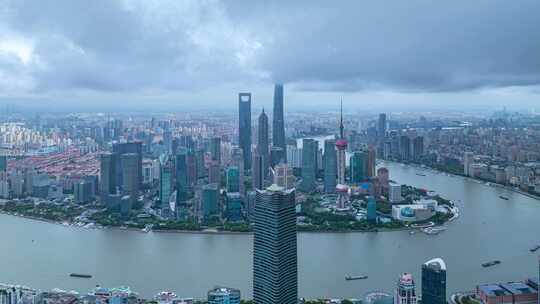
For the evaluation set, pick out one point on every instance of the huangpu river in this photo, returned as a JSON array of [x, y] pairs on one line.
[[42, 255]]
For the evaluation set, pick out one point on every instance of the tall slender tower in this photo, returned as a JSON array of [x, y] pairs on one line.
[[263, 144], [341, 146], [278, 122], [275, 270], [244, 127]]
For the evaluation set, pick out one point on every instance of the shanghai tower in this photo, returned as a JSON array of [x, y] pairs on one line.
[[278, 122], [244, 126]]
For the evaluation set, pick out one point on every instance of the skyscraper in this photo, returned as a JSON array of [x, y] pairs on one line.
[[381, 126], [215, 149], [278, 121], [372, 161], [371, 209], [330, 166], [468, 160], [237, 159], [277, 155], [244, 127], [165, 183], [3, 163], [181, 174], [283, 176], [210, 200], [359, 166], [263, 144], [108, 174], [257, 171], [130, 147], [418, 148], [233, 179], [130, 175], [434, 282], [309, 164], [275, 273], [406, 290], [404, 147]]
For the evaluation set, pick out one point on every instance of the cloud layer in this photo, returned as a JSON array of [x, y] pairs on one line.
[[180, 46]]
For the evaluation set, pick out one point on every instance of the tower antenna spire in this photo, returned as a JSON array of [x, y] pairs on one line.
[[341, 120]]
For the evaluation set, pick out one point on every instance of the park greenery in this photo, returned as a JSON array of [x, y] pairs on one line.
[[315, 216]]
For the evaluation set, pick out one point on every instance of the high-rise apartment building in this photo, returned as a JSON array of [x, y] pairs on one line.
[[468, 160]]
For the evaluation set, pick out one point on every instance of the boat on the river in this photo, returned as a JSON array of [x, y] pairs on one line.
[[492, 263], [80, 275], [503, 197], [420, 174], [433, 230], [535, 248], [352, 278]]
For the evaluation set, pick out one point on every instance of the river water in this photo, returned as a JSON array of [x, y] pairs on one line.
[[41, 255]]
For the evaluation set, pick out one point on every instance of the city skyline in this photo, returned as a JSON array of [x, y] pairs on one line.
[[240, 152]]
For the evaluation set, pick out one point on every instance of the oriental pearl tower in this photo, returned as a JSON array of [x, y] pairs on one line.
[[341, 146]]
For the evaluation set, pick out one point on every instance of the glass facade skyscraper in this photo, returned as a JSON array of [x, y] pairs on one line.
[[244, 127], [278, 121], [275, 273], [359, 166], [330, 166], [210, 200], [233, 179], [434, 282], [309, 164], [181, 175], [165, 183]]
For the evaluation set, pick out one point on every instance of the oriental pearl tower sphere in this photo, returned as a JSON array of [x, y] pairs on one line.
[[341, 145]]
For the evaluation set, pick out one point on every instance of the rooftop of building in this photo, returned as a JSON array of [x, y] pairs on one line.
[[518, 288], [493, 290], [438, 263]]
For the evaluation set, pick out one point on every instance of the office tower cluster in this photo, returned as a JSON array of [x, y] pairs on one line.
[[199, 175]]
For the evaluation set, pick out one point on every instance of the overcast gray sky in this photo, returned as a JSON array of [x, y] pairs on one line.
[[171, 53]]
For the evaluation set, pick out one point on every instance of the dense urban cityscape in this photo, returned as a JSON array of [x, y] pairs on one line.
[[307, 173]]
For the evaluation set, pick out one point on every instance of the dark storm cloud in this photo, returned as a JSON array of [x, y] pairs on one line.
[[412, 45], [108, 45]]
